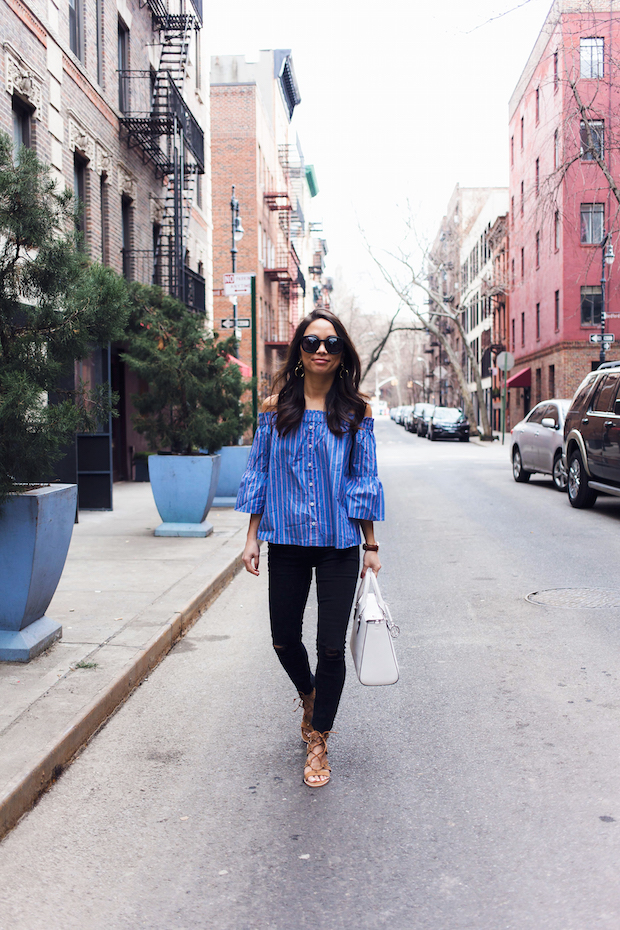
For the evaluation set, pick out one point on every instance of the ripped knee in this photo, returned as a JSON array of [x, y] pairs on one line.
[[332, 655]]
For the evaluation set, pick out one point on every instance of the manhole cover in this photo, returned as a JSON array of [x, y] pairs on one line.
[[574, 597]]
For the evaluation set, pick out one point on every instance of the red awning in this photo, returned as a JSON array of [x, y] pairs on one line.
[[246, 371], [522, 378]]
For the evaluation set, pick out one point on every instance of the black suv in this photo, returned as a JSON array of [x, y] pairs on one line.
[[592, 437]]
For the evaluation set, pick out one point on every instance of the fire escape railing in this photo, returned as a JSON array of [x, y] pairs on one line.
[[157, 120]]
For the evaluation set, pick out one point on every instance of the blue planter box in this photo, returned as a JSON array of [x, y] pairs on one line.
[[35, 533], [184, 487], [234, 463]]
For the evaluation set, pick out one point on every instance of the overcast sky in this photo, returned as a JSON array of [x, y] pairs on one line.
[[400, 101]]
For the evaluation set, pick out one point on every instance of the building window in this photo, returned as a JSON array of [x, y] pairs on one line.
[[79, 192], [198, 35], [556, 149], [512, 209], [512, 151], [123, 67], [592, 223], [99, 23], [557, 230], [591, 306], [522, 264], [522, 197], [105, 228], [199, 191], [21, 125], [514, 342], [551, 380], [538, 385], [538, 249], [591, 56], [522, 329], [75, 28], [522, 133], [557, 311], [537, 105], [592, 139], [556, 73], [537, 176], [513, 272], [538, 322], [127, 235]]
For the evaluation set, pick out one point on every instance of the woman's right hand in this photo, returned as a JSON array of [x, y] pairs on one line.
[[251, 556]]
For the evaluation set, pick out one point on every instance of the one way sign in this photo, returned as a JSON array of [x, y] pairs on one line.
[[229, 323]]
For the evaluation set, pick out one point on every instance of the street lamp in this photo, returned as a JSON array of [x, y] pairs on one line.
[[607, 255], [237, 235]]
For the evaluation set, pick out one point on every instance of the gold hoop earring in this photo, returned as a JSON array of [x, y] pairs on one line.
[[343, 371], [299, 368]]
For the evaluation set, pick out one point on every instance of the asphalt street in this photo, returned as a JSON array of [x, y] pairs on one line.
[[482, 792]]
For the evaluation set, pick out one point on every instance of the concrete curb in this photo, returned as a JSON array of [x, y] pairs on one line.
[[22, 793]]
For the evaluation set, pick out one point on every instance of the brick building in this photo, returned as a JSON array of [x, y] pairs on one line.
[[463, 267], [563, 113], [113, 97], [254, 148]]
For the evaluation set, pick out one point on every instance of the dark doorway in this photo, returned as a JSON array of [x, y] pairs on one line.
[[120, 467], [527, 400]]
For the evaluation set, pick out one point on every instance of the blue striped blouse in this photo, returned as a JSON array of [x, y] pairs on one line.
[[307, 487]]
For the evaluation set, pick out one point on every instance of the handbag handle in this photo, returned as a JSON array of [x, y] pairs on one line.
[[374, 584]]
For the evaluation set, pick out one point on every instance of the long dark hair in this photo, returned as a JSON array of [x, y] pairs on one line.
[[345, 405]]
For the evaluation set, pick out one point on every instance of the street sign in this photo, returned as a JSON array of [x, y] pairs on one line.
[[505, 361], [236, 285], [242, 323], [606, 337], [610, 316], [440, 372]]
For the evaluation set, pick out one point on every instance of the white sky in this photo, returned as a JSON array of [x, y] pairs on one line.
[[400, 101]]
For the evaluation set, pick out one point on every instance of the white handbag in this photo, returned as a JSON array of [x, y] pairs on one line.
[[372, 635]]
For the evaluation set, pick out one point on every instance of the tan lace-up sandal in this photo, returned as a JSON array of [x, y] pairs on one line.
[[307, 702], [317, 771]]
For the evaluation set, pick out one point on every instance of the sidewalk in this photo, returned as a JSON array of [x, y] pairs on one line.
[[125, 596]]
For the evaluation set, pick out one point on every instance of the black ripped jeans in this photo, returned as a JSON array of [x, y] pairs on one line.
[[290, 576]]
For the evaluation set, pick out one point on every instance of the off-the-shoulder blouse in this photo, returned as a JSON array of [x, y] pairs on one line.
[[308, 487]]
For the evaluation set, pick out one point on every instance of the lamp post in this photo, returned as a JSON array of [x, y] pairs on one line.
[[236, 236], [607, 258]]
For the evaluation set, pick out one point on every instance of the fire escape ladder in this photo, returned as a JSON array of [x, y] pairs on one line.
[[157, 119]]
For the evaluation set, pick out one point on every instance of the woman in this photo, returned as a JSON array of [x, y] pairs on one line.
[[310, 485]]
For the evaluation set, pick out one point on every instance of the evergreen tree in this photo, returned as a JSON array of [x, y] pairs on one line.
[[55, 306], [194, 392]]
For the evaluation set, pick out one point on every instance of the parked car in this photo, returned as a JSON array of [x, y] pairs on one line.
[[448, 423], [409, 421], [404, 413], [537, 443], [394, 413], [422, 418], [592, 437]]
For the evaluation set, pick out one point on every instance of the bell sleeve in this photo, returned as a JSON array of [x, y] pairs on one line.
[[364, 491], [253, 487]]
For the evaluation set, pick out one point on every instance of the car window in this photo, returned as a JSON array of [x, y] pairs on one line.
[[537, 414], [605, 394], [616, 406]]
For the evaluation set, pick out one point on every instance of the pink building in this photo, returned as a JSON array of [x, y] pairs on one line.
[[564, 126]]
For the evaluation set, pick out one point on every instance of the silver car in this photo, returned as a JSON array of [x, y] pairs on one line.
[[537, 443]]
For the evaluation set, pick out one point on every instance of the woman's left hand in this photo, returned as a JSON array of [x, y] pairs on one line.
[[371, 560]]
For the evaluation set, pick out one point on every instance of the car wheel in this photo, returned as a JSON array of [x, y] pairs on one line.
[[518, 471], [579, 494], [559, 474]]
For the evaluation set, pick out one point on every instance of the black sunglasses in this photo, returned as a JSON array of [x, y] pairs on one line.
[[333, 344]]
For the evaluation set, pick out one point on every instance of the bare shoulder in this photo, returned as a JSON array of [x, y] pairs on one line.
[[270, 404], [368, 412]]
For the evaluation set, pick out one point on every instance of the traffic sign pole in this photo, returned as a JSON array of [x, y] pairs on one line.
[[254, 358]]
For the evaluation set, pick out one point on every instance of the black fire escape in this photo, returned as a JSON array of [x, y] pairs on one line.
[[157, 120]]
